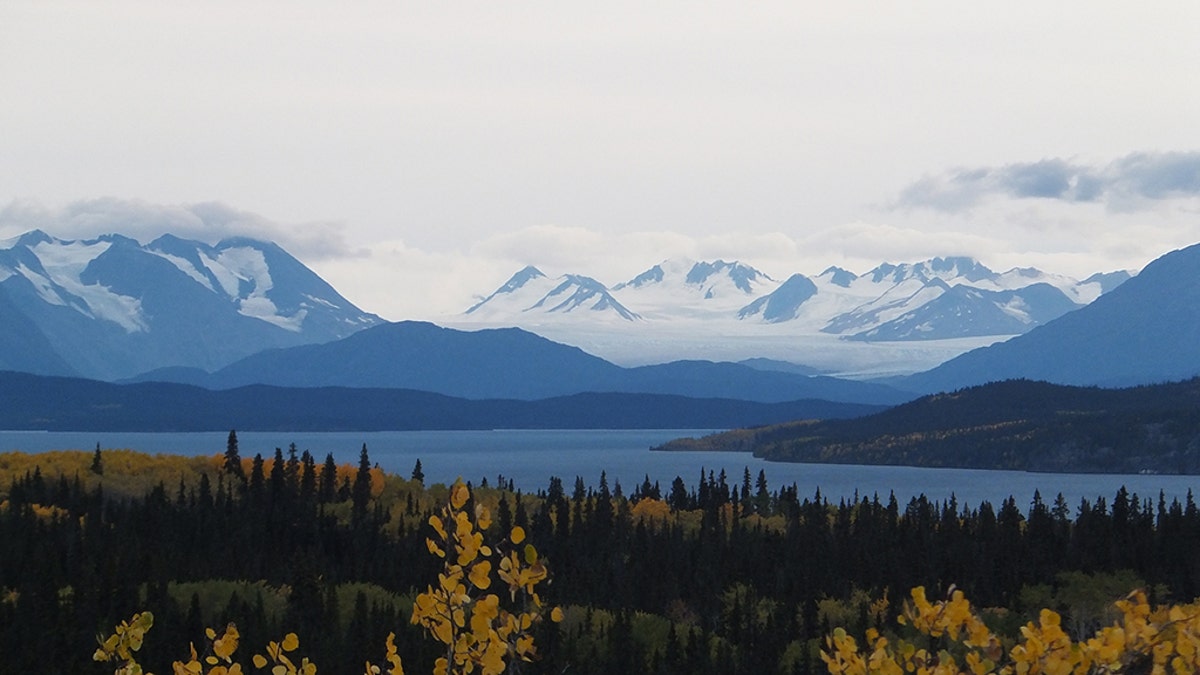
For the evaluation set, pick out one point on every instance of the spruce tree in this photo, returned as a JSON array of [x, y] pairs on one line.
[[361, 492], [97, 463], [258, 478], [233, 460], [329, 486], [308, 478]]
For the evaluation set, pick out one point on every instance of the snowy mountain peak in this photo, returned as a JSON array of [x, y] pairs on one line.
[[172, 302], [118, 240], [886, 271], [838, 276], [527, 274], [576, 291], [653, 275], [515, 283], [744, 277], [529, 292], [31, 238], [59, 271], [955, 267], [669, 271], [782, 304]]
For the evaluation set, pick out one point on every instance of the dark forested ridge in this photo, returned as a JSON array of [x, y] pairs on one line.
[[1016, 424], [71, 404], [733, 576]]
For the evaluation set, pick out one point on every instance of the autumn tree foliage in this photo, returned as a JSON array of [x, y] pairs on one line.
[[951, 638], [480, 629]]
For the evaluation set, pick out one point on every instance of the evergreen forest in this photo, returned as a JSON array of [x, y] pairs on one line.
[[727, 574], [1017, 425]]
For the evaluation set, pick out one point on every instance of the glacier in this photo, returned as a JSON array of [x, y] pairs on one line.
[[894, 319]]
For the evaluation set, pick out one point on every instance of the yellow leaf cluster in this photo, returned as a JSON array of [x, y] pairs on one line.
[[1160, 641], [219, 660], [477, 632], [282, 664], [126, 639], [392, 658], [218, 657]]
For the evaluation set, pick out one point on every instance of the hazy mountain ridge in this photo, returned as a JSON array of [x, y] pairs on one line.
[[110, 307], [37, 403], [514, 364]]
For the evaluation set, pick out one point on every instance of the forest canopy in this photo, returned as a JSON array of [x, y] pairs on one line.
[[727, 574]]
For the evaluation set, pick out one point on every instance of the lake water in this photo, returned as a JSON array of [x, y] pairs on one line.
[[531, 457]]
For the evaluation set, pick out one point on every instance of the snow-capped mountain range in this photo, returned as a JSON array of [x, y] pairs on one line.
[[111, 307], [937, 300], [931, 300]]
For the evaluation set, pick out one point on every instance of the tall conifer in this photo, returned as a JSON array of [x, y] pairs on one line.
[[233, 459]]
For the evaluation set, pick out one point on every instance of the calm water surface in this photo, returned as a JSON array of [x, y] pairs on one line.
[[531, 457]]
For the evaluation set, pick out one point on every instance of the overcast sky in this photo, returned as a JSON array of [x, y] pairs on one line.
[[416, 154]]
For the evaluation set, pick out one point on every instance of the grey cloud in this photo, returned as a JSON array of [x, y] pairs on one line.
[[1049, 179], [1158, 176], [1122, 184], [954, 192], [144, 221]]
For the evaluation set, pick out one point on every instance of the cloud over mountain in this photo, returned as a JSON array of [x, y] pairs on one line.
[[145, 221]]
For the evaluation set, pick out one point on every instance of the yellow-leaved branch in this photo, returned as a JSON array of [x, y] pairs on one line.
[[1144, 639], [478, 629]]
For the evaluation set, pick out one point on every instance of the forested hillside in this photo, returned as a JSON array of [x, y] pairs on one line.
[[1017, 424], [734, 576]]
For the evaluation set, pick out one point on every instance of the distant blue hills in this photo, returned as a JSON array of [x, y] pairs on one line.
[[510, 363], [39, 402]]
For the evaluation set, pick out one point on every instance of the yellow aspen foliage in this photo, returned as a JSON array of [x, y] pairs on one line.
[[48, 513], [392, 658], [219, 661], [378, 481], [651, 509], [478, 632], [1162, 640], [281, 663], [126, 639]]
